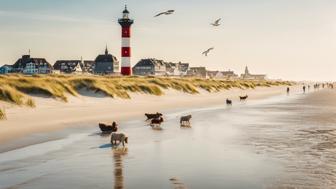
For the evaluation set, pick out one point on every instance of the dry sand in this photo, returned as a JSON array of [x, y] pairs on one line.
[[52, 115]]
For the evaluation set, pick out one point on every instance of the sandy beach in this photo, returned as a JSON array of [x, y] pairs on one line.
[[90, 108], [275, 142]]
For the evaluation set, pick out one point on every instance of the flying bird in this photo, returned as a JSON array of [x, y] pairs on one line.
[[205, 53], [216, 23], [168, 12]]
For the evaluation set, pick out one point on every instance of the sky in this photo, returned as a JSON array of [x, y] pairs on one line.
[[287, 39]]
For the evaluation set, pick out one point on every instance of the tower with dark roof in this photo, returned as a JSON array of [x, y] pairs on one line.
[[105, 63]]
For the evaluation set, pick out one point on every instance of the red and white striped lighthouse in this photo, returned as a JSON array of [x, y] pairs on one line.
[[126, 23]]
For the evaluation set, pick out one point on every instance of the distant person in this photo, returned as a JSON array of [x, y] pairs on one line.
[[288, 90], [304, 89]]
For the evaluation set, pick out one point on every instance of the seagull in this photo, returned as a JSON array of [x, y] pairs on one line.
[[168, 12], [216, 23], [205, 53]]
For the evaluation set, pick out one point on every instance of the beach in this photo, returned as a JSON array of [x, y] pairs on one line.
[[277, 141], [91, 108]]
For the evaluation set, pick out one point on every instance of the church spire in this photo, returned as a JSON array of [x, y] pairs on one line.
[[106, 51], [247, 70]]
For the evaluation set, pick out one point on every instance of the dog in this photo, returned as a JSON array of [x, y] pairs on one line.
[[156, 122], [153, 116], [185, 120], [243, 98], [119, 137]]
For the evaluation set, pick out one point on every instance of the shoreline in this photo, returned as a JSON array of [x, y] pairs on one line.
[[52, 115]]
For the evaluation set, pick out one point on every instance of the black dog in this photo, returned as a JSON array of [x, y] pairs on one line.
[[153, 116], [228, 102], [243, 98]]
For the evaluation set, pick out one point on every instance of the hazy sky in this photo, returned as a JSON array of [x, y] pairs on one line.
[[289, 39]]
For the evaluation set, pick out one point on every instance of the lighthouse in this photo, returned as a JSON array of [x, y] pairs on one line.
[[126, 23]]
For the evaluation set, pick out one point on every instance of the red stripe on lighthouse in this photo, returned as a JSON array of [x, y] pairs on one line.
[[126, 32], [126, 52], [126, 71]]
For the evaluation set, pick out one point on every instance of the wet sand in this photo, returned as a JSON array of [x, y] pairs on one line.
[[279, 142], [91, 108]]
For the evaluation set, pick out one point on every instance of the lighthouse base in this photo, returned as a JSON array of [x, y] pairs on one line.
[[126, 71]]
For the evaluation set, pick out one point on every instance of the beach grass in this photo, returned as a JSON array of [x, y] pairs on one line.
[[17, 88], [2, 114]]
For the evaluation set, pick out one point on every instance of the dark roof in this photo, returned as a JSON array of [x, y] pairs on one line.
[[7, 65], [70, 63], [106, 57], [21, 63], [126, 11], [150, 61]]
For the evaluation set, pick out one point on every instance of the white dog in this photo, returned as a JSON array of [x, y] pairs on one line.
[[119, 137]]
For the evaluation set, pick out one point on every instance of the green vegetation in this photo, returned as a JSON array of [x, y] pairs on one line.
[[2, 114], [17, 88]]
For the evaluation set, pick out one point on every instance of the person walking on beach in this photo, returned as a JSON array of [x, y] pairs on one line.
[[304, 89], [288, 90]]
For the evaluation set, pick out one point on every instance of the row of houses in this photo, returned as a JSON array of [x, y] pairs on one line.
[[154, 67], [107, 64], [104, 64]]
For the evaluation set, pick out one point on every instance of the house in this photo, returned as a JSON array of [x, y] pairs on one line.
[[229, 75], [69, 66], [197, 72], [248, 76], [106, 64], [177, 69], [30, 66], [150, 66], [213, 74], [222, 74], [88, 66], [5, 69]]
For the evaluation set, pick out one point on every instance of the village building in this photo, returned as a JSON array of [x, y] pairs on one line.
[[197, 72], [30, 66], [106, 64], [248, 76], [146, 67], [5, 69], [222, 75], [88, 66], [69, 66], [177, 69]]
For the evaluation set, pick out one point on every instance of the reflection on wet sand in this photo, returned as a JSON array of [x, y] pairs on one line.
[[118, 154]]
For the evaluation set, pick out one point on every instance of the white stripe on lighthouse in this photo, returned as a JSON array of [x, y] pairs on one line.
[[126, 42], [126, 61]]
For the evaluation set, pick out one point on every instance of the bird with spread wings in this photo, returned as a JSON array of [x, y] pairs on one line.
[[168, 12], [205, 53], [216, 23]]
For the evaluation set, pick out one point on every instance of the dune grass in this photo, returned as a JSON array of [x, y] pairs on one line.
[[2, 114], [17, 88]]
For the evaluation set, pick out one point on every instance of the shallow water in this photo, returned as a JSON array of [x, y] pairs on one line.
[[281, 142]]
